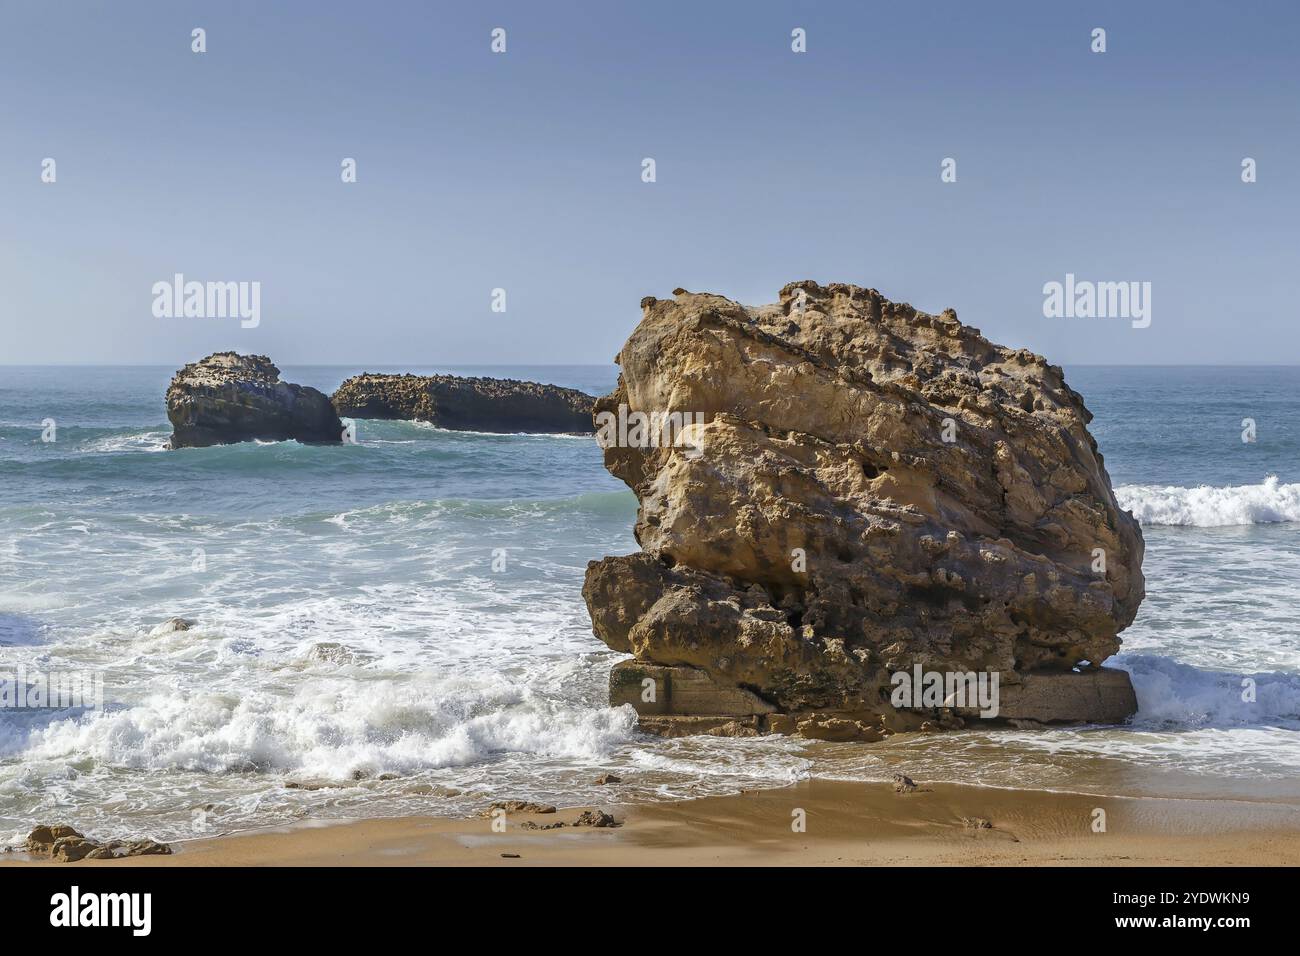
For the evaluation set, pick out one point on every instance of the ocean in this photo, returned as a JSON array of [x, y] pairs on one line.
[[396, 627]]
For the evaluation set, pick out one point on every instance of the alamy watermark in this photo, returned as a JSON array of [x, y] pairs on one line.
[[922, 689], [75, 908], [208, 300], [650, 430], [1075, 299], [53, 690]]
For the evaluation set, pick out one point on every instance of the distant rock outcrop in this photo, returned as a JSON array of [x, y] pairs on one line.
[[228, 398], [467, 404], [865, 500]]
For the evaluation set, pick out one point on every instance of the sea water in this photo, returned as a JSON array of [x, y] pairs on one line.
[[396, 626]]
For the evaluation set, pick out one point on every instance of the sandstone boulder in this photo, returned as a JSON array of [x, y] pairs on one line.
[[595, 818], [467, 404], [43, 838], [863, 488], [228, 398], [518, 806]]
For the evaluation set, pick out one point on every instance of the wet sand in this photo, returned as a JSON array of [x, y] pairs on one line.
[[846, 824]]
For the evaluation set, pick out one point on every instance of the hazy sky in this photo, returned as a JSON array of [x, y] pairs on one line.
[[522, 171]]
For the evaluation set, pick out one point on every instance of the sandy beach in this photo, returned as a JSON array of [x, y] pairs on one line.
[[847, 824]]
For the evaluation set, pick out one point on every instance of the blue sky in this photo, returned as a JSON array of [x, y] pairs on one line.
[[523, 171]]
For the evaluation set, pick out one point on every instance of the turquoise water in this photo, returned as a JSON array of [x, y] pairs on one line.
[[442, 572]]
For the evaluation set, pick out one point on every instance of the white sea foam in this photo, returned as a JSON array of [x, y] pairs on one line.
[[1209, 507], [1191, 721], [1171, 693], [328, 729], [148, 441], [26, 602], [471, 433]]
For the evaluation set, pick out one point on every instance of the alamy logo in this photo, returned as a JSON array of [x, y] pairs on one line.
[[1098, 300], [958, 689], [208, 300], [55, 690], [650, 430], [103, 909]]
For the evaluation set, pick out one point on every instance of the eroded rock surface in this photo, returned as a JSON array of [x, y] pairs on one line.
[[871, 488], [228, 397], [467, 404]]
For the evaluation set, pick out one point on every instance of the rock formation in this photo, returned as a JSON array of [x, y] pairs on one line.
[[228, 397], [466, 404], [864, 492], [66, 845]]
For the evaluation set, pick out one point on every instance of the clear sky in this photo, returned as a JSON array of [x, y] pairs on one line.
[[523, 170]]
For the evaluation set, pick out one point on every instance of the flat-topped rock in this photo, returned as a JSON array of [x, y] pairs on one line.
[[653, 689], [864, 489], [467, 404], [1100, 696], [228, 397]]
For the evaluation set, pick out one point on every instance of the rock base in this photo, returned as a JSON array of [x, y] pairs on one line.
[[677, 701], [692, 726], [1101, 696], [658, 690]]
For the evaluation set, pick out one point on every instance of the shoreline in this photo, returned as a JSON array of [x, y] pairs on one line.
[[845, 824]]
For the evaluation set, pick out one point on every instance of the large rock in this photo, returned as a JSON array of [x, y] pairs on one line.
[[467, 404], [228, 397], [863, 488]]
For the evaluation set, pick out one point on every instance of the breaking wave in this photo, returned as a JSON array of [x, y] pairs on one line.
[[1209, 507]]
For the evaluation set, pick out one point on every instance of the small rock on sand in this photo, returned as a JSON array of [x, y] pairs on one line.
[[595, 818], [903, 783], [66, 845], [518, 806], [588, 818]]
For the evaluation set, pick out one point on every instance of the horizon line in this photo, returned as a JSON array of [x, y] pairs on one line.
[[409, 364]]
